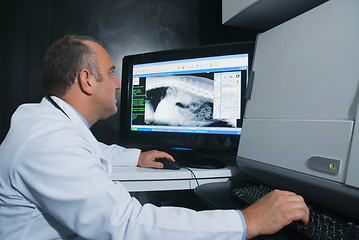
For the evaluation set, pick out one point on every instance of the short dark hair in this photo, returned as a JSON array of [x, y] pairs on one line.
[[64, 60]]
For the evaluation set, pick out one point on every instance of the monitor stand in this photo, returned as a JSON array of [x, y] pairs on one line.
[[191, 158]]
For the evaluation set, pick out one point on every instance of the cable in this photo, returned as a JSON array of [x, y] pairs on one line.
[[194, 175]]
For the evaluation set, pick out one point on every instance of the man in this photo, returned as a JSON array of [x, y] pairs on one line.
[[55, 183]]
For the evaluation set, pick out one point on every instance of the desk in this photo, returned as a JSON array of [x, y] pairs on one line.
[[137, 179]]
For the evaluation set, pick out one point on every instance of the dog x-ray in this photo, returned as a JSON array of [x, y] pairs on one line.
[[185, 100]]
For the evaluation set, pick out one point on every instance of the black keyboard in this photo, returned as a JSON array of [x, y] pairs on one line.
[[321, 225]]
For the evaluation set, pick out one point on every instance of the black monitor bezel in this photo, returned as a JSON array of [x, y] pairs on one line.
[[165, 141]]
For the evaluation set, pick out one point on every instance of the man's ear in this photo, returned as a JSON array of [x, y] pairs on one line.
[[85, 79]]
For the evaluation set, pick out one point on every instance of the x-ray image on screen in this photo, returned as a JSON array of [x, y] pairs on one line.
[[195, 95], [184, 100]]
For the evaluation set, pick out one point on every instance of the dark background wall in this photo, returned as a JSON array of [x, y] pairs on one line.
[[124, 26]]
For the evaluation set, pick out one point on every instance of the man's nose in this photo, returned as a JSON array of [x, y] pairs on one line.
[[117, 82]]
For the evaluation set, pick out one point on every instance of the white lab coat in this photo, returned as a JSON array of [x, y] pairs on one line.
[[54, 184]]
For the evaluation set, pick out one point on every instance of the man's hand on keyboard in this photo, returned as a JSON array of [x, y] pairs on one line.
[[274, 211]]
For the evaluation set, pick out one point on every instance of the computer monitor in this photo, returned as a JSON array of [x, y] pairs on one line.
[[188, 102], [301, 125]]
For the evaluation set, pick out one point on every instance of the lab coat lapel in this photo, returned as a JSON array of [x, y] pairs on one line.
[[79, 124]]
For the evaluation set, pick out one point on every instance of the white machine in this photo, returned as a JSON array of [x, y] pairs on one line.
[[300, 130]]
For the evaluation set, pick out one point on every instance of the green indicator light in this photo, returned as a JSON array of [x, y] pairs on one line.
[[331, 166]]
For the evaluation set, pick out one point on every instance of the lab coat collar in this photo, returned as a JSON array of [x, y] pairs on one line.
[[68, 109]]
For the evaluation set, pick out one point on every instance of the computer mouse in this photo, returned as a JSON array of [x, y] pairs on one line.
[[168, 164]]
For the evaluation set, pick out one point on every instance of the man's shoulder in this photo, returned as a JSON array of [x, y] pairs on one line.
[[40, 122], [42, 128]]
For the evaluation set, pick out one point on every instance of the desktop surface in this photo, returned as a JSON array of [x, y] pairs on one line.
[[137, 179]]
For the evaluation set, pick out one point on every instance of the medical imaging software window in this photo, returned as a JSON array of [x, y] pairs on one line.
[[201, 95]]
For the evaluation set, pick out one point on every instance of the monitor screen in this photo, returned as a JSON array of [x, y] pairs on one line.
[[189, 99]]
